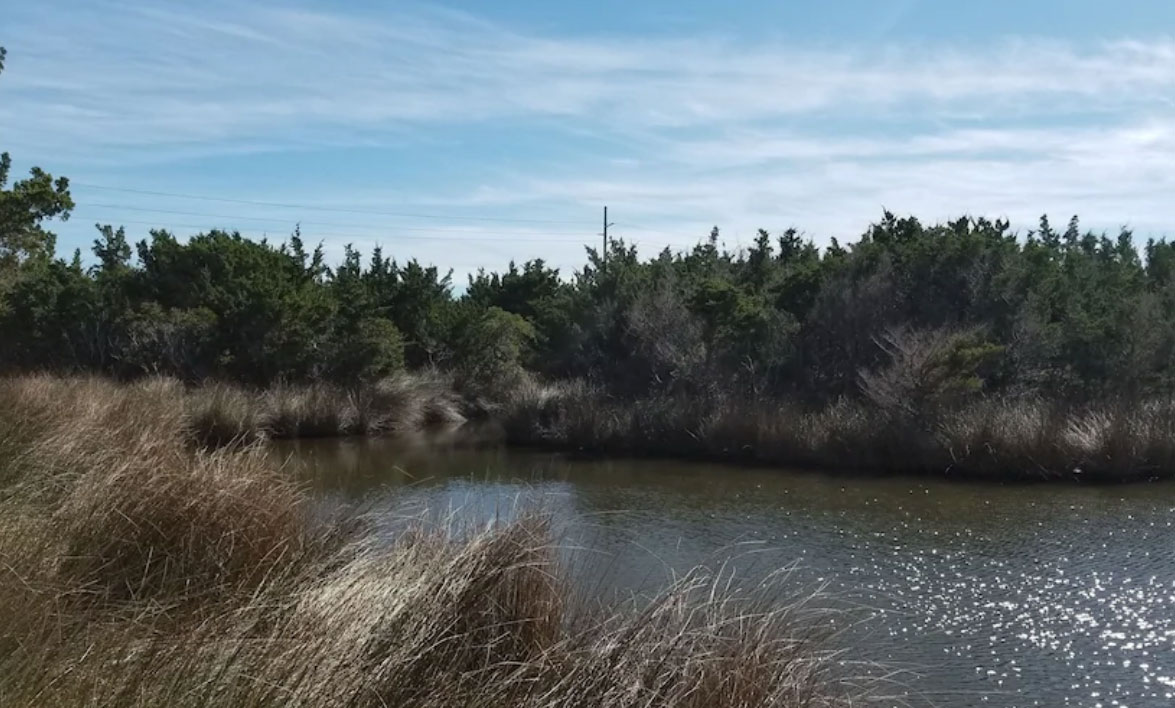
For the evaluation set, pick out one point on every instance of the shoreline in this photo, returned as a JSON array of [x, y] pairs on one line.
[[997, 440], [143, 569]]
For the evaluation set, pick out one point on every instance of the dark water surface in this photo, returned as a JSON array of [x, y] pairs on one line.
[[985, 595]]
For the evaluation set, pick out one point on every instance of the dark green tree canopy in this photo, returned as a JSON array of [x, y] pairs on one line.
[[908, 311], [1075, 314], [23, 208]]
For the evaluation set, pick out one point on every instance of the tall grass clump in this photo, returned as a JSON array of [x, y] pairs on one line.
[[404, 403], [177, 526], [1001, 438], [133, 510], [307, 411], [218, 414], [139, 569]]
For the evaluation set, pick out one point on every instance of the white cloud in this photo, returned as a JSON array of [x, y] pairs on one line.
[[698, 129], [164, 78]]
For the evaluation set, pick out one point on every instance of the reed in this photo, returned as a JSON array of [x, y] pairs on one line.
[[138, 569], [406, 403], [997, 438]]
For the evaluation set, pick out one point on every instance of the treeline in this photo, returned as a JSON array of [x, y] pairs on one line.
[[907, 310], [908, 314]]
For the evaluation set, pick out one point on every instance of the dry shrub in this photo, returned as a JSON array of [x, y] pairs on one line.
[[926, 370], [1003, 438], [1028, 438], [133, 511], [536, 412]]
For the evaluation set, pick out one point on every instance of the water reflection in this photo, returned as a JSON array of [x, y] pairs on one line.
[[1007, 596]]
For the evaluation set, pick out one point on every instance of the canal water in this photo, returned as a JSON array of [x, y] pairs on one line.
[[969, 594]]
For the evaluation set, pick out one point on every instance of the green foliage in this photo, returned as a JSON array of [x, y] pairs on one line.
[[49, 318], [665, 341], [1076, 315], [911, 316], [23, 208], [172, 341], [1073, 314], [270, 319], [372, 349], [927, 369], [112, 250], [490, 346]]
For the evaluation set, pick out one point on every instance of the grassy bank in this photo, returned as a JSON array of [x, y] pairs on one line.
[[994, 438], [999, 439], [140, 568], [220, 413]]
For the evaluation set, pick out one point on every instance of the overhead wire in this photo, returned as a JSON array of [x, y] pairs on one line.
[[392, 234], [316, 207], [126, 207]]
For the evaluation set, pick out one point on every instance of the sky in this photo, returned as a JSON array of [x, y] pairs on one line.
[[470, 133]]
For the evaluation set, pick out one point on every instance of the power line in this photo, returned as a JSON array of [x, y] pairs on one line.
[[637, 227], [473, 239], [604, 252], [275, 220], [312, 207]]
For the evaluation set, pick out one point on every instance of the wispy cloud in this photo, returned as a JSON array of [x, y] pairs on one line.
[[704, 129], [156, 77]]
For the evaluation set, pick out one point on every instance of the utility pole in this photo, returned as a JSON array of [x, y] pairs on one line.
[[604, 253]]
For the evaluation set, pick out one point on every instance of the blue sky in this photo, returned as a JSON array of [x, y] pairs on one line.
[[469, 133]]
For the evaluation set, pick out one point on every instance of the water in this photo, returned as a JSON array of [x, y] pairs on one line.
[[983, 595]]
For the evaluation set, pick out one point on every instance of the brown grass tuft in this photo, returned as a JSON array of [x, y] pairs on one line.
[[1003, 439], [219, 414], [179, 525], [138, 570]]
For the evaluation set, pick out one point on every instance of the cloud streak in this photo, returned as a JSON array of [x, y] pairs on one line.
[[154, 77], [699, 129]]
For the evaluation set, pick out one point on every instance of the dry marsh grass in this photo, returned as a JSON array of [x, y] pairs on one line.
[[1002, 439], [220, 413], [138, 570]]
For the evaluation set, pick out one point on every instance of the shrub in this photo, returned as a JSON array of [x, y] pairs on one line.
[[926, 370]]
